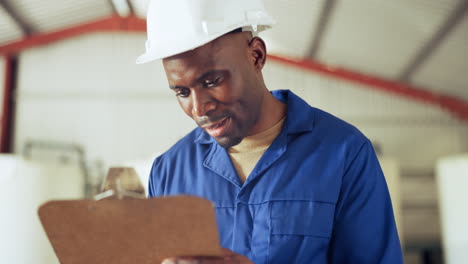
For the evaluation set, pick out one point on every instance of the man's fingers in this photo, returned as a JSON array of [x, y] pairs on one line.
[[181, 261], [229, 257], [196, 260]]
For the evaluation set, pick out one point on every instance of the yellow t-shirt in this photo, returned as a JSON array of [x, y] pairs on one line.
[[246, 154]]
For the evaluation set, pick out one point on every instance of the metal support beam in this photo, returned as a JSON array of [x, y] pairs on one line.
[[123, 8], [114, 9], [325, 15], [7, 114], [25, 27], [130, 6], [441, 34], [457, 107]]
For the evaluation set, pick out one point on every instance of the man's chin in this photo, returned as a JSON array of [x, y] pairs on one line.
[[227, 142]]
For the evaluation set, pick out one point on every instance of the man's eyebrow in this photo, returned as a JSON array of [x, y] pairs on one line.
[[199, 79], [208, 73], [175, 87]]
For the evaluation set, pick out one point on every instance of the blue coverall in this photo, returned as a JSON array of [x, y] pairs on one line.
[[317, 195]]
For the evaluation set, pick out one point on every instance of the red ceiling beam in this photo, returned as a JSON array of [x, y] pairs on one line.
[[452, 104], [113, 23], [132, 23]]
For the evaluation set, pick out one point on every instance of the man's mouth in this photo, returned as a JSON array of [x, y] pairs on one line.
[[218, 128]]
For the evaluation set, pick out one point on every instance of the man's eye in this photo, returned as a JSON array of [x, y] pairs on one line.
[[182, 92], [212, 83]]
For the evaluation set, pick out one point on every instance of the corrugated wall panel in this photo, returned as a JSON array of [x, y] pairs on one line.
[[89, 91], [335, 95]]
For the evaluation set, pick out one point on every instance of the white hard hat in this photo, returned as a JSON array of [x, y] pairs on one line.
[[177, 26]]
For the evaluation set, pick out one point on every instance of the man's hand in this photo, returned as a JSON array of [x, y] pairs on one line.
[[228, 257]]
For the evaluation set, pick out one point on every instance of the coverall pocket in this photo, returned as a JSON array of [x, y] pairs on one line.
[[300, 231], [302, 218]]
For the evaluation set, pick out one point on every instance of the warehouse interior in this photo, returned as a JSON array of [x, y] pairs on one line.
[[73, 103]]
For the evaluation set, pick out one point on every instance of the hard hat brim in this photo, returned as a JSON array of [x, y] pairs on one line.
[[161, 54]]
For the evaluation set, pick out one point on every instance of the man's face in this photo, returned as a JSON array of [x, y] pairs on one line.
[[217, 86]]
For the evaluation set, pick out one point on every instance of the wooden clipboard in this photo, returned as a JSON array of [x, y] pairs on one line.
[[130, 231]]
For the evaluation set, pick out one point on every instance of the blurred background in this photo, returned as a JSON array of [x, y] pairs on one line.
[[74, 103]]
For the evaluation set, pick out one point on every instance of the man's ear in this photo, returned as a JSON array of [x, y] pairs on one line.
[[258, 53]]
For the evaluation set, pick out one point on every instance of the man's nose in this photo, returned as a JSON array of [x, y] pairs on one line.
[[202, 103]]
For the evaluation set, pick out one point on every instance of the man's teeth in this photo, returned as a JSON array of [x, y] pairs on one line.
[[217, 125]]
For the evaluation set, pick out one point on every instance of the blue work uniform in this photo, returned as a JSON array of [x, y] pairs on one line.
[[317, 195]]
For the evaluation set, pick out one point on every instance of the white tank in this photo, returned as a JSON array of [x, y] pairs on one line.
[[452, 182], [24, 185], [391, 170], [143, 168]]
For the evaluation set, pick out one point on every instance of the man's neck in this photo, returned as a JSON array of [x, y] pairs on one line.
[[273, 110]]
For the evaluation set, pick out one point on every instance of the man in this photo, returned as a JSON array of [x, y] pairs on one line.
[[290, 183]]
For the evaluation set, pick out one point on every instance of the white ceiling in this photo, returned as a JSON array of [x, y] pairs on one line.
[[8, 29], [379, 37], [447, 69], [52, 15], [295, 26], [376, 37]]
